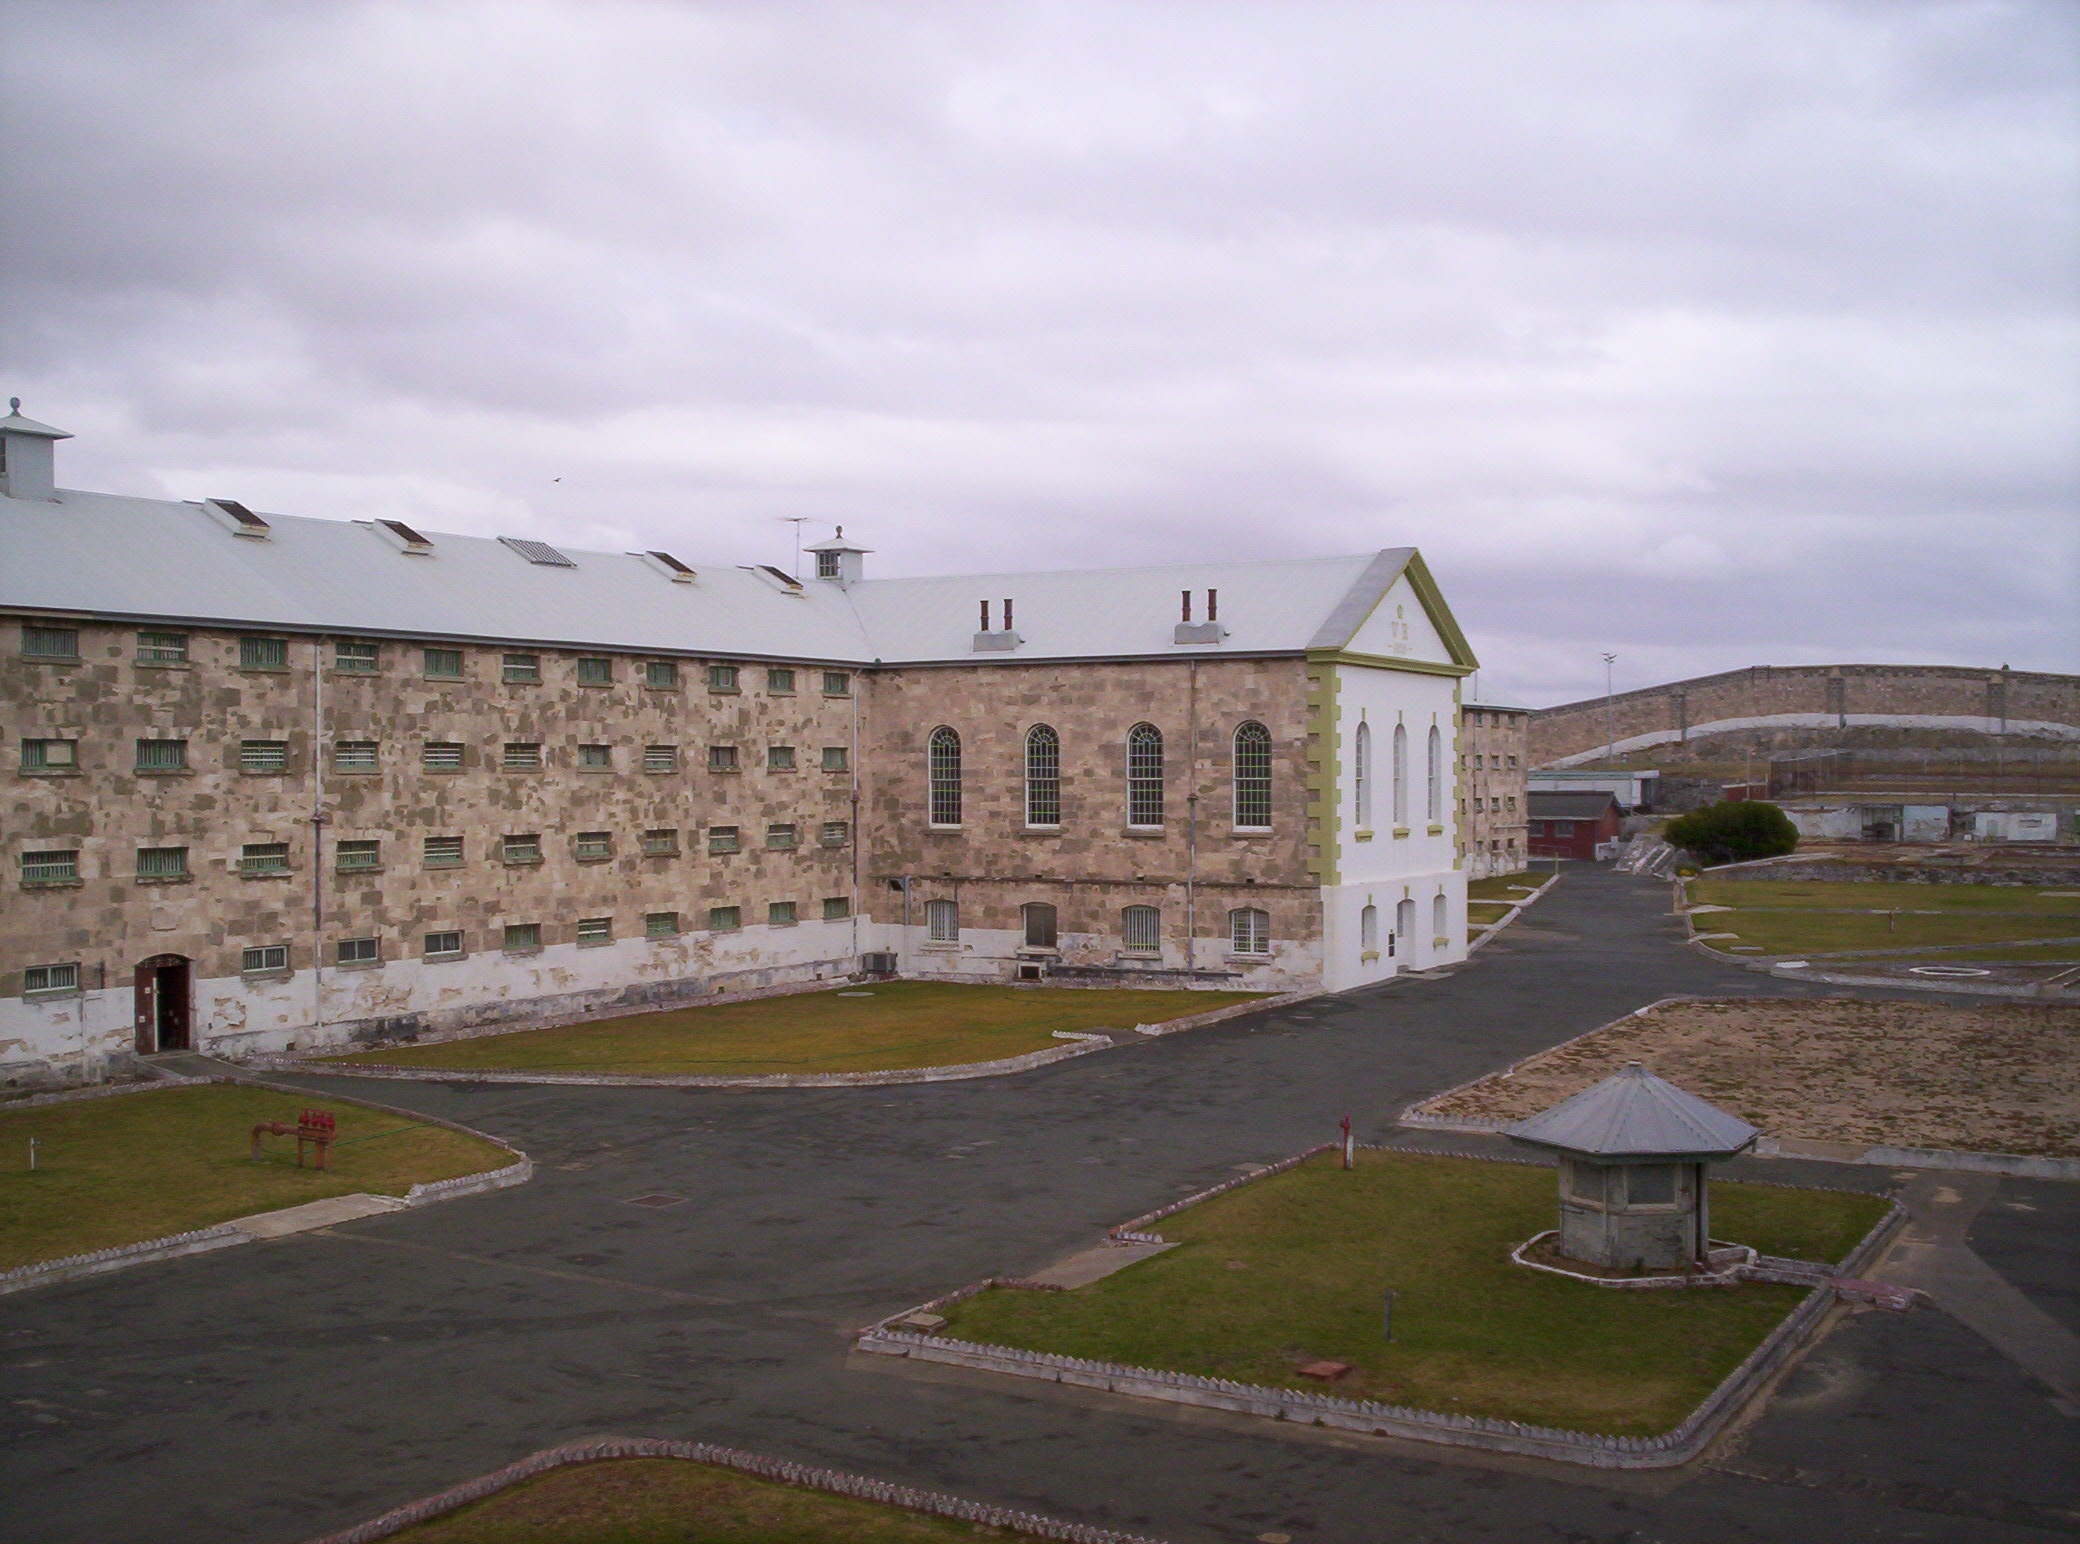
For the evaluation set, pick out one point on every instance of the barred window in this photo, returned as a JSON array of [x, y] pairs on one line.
[[780, 914], [522, 756], [441, 756], [50, 978], [723, 839], [836, 758], [162, 863], [1144, 775], [162, 648], [441, 946], [595, 758], [593, 931], [722, 758], [443, 852], [780, 682], [1037, 918], [781, 835], [595, 670], [263, 755], [779, 758], [1435, 796], [1141, 929], [1361, 777], [266, 957], [50, 642], [1043, 776], [355, 951], [522, 936], [594, 846], [662, 674], [836, 908], [660, 758], [724, 919], [354, 756], [357, 658], [162, 755], [263, 654], [942, 922], [264, 858], [1253, 776], [837, 683], [660, 924], [50, 755], [722, 678], [661, 843], [521, 669], [835, 833], [49, 868], [944, 770], [1400, 775], [359, 855], [443, 664], [1249, 930], [526, 848]]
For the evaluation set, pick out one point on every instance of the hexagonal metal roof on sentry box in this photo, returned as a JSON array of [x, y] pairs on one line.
[[1632, 1116]]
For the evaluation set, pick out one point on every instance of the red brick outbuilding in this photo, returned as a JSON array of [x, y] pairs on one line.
[[1571, 825]]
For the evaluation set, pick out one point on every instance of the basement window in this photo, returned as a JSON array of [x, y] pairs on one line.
[[263, 960], [780, 914], [724, 919], [836, 908], [441, 946], [50, 978], [356, 951], [594, 931], [523, 937], [661, 924]]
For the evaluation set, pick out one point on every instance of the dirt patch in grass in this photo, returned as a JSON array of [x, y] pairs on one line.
[[673, 1501], [889, 1026], [1995, 1078], [142, 1166], [1292, 1269]]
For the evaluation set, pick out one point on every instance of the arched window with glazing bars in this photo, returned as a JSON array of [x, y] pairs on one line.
[[1253, 776], [1436, 769], [1043, 776], [1144, 775], [945, 773], [1400, 775], [1361, 775]]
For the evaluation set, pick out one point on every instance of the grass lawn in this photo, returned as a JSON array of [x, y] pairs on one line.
[[1292, 1268], [1821, 916], [1484, 914], [141, 1166], [671, 1501], [1821, 932], [887, 1026], [1505, 887], [1760, 894], [2010, 954]]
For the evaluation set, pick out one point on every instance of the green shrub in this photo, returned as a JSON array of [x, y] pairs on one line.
[[1734, 832]]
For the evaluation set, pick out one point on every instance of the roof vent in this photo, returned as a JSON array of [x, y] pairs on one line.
[[667, 565], [400, 536], [236, 518], [997, 639], [27, 463], [838, 560], [1208, 631], [538, 552], [789, 585]]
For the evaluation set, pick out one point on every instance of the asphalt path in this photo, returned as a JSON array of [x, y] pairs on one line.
[[284, 1389]]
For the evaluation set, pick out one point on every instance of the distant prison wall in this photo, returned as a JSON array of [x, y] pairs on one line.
[[1786, 703]]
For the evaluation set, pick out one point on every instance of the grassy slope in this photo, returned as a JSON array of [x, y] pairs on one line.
[[1292, 1269], [142, 1166], [902, 1024]]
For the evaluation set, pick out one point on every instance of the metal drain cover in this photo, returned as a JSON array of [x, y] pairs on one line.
[[659, 1198]]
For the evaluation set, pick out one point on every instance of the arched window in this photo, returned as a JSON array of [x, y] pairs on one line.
[[942, 922], [1144, 775], [1141, 929], [945, 777], [1249, 930], [1253, 776], [1361, 775], [1038, 917], [1436, 797], [1438, 916], [1043, 776], [1400, 775], [1405, 923], [1368, 930]]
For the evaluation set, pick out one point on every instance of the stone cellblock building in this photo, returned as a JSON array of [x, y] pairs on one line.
[[1492, 775], [289, 783]]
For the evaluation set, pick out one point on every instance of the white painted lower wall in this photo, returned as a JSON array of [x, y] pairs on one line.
[[1348, 961], [995, 954]]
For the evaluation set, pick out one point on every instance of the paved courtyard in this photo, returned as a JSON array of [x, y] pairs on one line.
[[277, 1391]]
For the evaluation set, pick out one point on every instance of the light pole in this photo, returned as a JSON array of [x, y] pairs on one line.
[[1610, 732]]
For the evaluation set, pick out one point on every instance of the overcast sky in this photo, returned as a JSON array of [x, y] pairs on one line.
[[1708, 334]]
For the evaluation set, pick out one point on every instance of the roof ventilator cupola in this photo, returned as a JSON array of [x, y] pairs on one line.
[[839, 561], [1208, 631], [28, 458], [997, 639]]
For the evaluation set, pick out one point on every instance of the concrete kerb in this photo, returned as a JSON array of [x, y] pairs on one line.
[[43, 1273], [1516, 910], [1677, 1446], [785, 1471], [1085, 1043]]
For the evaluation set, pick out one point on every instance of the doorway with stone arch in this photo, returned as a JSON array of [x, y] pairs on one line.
[[164, 989]]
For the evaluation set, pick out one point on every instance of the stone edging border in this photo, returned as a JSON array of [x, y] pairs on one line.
[[786, 1471], [1517, 909], [97, 1262], [1676, 1446], [1085, 1044]]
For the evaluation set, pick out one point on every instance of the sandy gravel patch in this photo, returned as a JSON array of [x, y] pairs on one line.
[[2001, 1078]]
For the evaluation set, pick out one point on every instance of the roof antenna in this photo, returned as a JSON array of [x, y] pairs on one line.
[[797, 521]]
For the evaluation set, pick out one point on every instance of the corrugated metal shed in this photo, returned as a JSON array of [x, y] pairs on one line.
[[1569, 806], [1632, 1115]]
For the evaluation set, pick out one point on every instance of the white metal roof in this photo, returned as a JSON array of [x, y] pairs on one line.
[[1634, 1115], [135, 558]]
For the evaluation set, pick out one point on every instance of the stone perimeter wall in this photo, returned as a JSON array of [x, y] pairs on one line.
[[2002, 698]]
